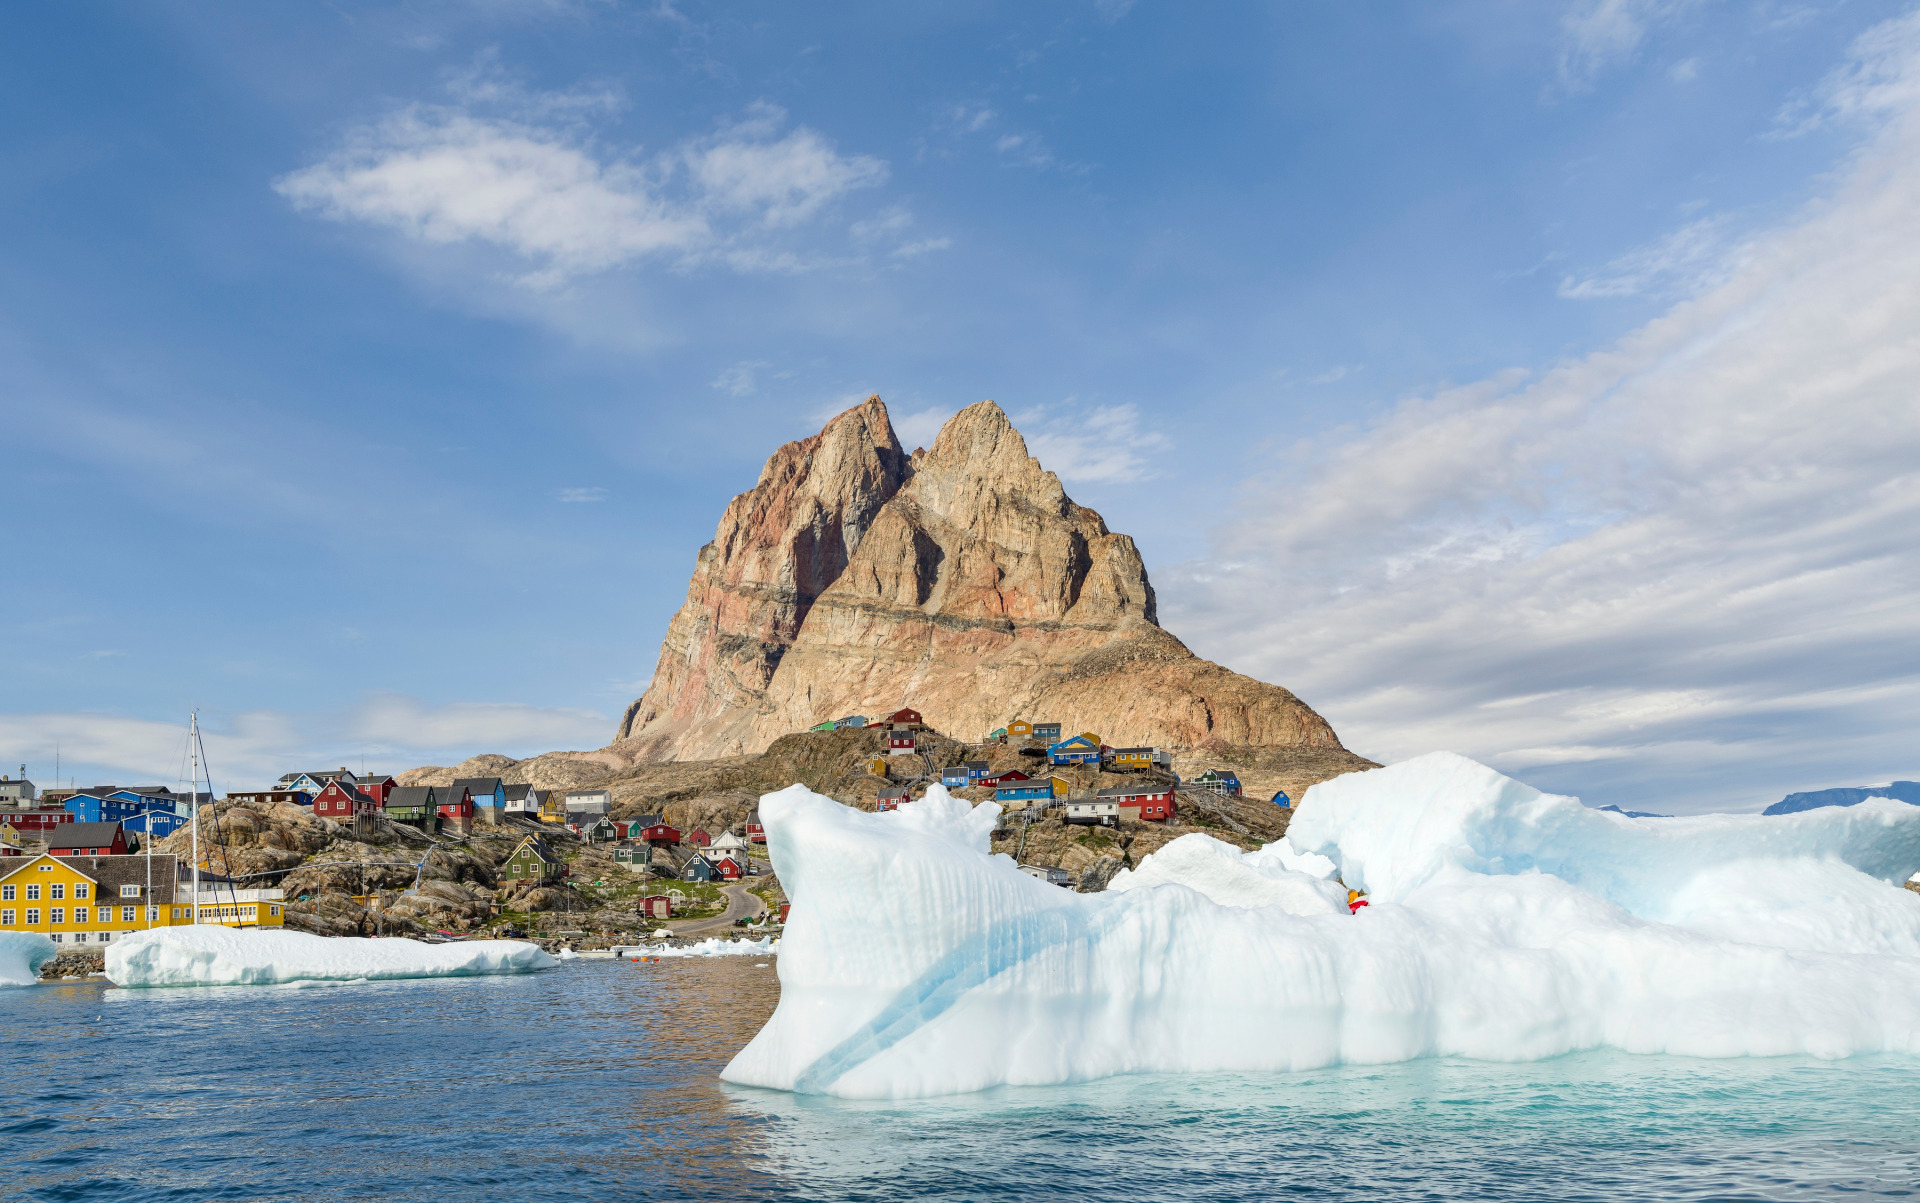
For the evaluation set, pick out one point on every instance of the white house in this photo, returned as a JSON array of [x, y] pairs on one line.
[[581, 802], [1094, 811], [16, 790], [524, 800], [729, 842]]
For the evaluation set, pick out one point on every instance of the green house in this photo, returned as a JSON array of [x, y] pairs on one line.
[[532, 861], [826, 726]]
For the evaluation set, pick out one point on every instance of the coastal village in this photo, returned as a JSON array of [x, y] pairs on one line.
[[337, 852]]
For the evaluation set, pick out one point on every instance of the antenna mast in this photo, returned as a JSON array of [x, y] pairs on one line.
[[193, 788]]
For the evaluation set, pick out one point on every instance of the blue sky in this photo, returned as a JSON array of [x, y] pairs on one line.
[[373, 374]]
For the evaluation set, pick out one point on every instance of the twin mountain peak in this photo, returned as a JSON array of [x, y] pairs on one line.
[[960, 580]]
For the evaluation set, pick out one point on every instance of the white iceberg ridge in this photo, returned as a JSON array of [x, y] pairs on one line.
[[717, 947], [1504, 924], [220, 956], [21, 955]]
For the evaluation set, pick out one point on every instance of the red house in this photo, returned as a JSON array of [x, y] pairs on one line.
[[1002, 778], [784, 908], [756, 834], [657, 906], [890, 799], [342, 802], [904, 718], [87, 839], [899, 742], [377, 788], [726, 868], [456, 807], [1145, 802], [659, 835], [700, 838], [36, 819]]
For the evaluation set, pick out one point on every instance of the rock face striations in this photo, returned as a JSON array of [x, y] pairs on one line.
[[961, 581]]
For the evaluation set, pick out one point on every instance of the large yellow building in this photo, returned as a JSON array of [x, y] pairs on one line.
[[87, 900]]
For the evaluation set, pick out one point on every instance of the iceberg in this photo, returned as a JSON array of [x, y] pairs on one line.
[[1503, 924], [717, 947], [222, 956], [21, 955]]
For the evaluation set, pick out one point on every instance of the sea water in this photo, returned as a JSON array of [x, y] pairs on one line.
[[598, 1080]]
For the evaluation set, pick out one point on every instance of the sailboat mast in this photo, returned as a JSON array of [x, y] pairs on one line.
[[193, 749]]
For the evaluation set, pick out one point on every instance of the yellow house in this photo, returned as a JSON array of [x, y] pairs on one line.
[[1091, 738], [1061, 787], [86, 900], [1135, 758], [10, 840], [877, 766], [1019, 729], [553, 809]]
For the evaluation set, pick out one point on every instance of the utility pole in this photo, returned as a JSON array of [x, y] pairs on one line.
[[193, 790]]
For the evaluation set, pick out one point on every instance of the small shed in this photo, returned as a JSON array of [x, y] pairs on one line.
[[1281, 800], [657, 906]]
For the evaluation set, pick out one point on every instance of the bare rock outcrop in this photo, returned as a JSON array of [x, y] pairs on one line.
[[962, 581]]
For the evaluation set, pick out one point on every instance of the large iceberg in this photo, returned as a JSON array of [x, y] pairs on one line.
[[21, 955], [1503, 924], [222, 956]]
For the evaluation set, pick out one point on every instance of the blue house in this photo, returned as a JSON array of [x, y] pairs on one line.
[[1221, 781], [132, 809], [977, 771], [954, 776], [696, 868], [1024, 791], [1078, 750], [1281, 800], [853, 720]]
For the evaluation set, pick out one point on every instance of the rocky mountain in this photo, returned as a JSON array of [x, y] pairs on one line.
[[960, 580]]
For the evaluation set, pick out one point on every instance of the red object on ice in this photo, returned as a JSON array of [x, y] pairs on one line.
[[1353, 908]]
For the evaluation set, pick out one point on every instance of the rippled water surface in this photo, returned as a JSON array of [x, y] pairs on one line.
[[598, 1081]]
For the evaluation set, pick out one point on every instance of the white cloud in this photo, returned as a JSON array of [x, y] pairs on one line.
[[1684, 560], [1683, 259], [579, 495], [740, 380], [918, 429], [925, 246], [780, 183], [1100, 444], [252, 749], [1598, 35], [544, 193]]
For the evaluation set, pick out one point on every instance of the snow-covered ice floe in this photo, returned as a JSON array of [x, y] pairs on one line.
[[221, 956], [21, 955], [1503, 924], [718, 947]]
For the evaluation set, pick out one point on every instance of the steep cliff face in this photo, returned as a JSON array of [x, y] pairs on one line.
[[967, 585], [779, 547]]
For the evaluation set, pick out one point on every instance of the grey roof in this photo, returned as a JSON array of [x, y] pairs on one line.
[[976, 764], [479, 785], [409, 796], [649, 820], [1124, 751], [116, 871], [516, 793], [83, 835]]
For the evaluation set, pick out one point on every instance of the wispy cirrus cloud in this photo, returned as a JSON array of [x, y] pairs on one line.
[[1681, 561], [1598, 35], [1093, 444], [576, 496]]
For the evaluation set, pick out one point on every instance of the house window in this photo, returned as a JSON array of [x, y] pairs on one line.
[[80, 889], [79, 937], [6, 918], [153, 914], [33, 892], [79, 914], [59, 890], [273, 911], [54, 936], [57, 915], [126, 914], [103, 936], [129, 891], [6, 892], [33, 916]]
